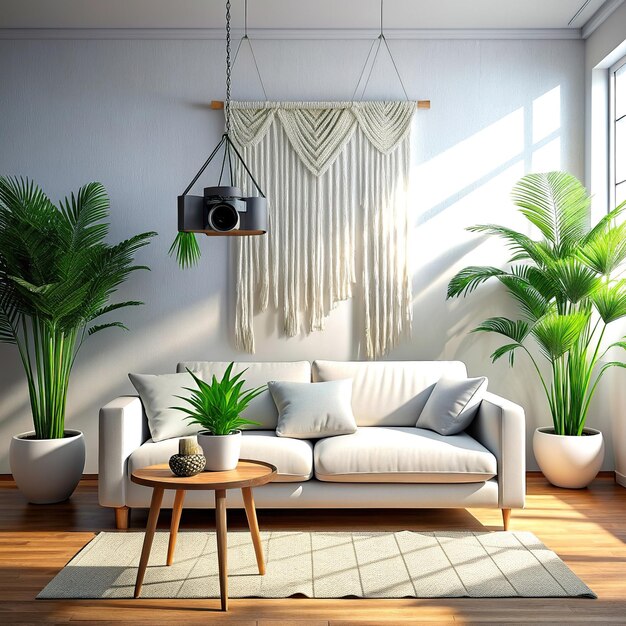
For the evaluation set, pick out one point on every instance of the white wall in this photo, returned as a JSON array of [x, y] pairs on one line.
[[133, 114]]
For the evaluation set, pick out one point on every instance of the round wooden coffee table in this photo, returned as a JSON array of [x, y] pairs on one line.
[[246, 475]]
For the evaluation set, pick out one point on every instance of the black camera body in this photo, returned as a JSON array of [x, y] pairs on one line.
[[222, 211]]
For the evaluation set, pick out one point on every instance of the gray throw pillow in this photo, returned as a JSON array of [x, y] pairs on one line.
[[158, 394], [313, 410], [452, 405]]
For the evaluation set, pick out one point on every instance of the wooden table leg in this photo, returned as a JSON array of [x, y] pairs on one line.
[[222, 546], [253, 524], [155, 507], [176, 513]]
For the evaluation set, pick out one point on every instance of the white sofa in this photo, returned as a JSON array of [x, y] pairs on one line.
[[387, 463]]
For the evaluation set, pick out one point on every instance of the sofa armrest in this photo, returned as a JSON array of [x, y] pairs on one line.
[[500, 426], [122, 430]]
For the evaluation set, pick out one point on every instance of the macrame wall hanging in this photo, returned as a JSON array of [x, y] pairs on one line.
[[336, 177]]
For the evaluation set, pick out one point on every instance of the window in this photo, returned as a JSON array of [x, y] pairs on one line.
[[618, 133]]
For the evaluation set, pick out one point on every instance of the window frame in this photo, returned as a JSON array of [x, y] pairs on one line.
[[612, 132]]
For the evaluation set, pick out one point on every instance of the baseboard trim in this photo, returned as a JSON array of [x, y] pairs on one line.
[[620, 479]]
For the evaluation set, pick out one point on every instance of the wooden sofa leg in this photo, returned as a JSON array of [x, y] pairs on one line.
[[121, 517], [506, 517]]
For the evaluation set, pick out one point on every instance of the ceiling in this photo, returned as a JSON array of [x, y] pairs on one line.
[[299, 14]]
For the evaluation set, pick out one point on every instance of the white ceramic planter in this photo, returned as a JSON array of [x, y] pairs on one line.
[[47, 470], [221, 451], [569, 461]]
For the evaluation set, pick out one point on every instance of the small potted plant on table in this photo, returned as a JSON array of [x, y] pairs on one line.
[[217, 407]]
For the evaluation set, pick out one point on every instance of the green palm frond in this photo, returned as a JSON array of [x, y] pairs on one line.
[[605, 223], [556, 333], [517, 330], [574, 280], [507, 349], [610, 301], [98, 327], [114, 307], [84, 213], [521, 245], [542, 281], [186, 249], [605, 251], [558, 204], [9, 319], [532, 302], [470, 278]]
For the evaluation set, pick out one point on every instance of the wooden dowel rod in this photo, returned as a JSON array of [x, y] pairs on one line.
[[219, 104]]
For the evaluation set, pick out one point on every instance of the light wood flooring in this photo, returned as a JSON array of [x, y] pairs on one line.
[[586, 528]]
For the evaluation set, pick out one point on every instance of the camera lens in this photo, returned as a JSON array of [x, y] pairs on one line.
[[223, 217]]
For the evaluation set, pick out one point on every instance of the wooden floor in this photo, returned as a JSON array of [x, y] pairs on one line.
[[586, 528]]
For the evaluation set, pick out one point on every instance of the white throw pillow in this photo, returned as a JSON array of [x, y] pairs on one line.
[[158, 395], [452, 405], [313, 410]]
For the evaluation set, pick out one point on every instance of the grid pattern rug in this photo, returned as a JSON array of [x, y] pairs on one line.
[[324, 565]]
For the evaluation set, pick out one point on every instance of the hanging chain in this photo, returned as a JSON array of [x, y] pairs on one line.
[[228, 69]]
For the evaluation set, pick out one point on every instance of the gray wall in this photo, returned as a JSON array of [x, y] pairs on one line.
[[134, 115]]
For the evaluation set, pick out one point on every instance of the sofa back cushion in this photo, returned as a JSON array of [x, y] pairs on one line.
[[262, 409], [388, 393]]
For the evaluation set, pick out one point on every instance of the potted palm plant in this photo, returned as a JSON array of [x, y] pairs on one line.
[[217, 408], [567, 287], [57, 275]]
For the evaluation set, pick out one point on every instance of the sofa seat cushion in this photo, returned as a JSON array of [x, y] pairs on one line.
[[293, 458], [402, 455]]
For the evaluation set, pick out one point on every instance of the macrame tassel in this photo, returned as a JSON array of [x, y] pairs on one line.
[[386, 276], [291, 247], [244, 312]]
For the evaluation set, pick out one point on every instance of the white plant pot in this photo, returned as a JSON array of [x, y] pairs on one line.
[[47, 470], [221, 451], [566, 460]]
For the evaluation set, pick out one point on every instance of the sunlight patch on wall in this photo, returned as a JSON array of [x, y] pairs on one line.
[[470, 161], [548, 157], [546, 114], [489, 203]]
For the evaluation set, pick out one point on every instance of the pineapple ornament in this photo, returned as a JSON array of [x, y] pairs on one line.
[[189, 461]]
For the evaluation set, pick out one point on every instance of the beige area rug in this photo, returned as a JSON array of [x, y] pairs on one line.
[[324, 565]]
